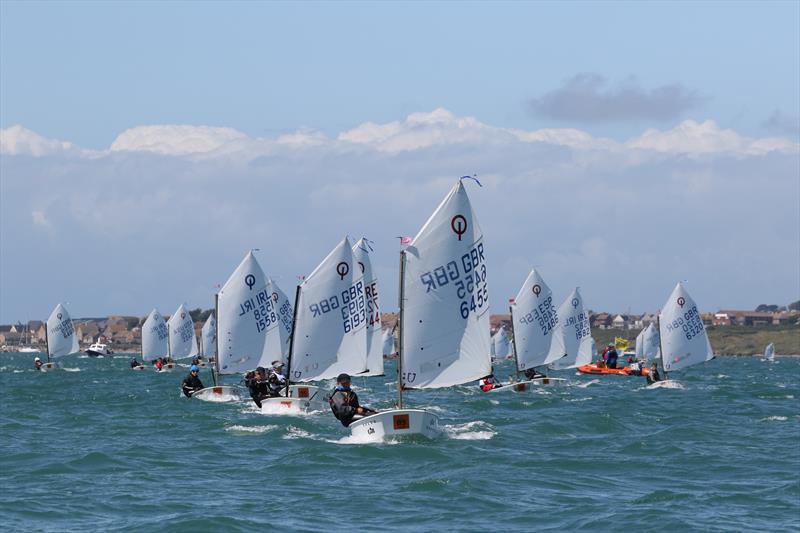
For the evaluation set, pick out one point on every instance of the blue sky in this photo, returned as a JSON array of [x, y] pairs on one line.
[[623, 146]]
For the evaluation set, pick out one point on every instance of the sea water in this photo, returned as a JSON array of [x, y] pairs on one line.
[[96, 446]]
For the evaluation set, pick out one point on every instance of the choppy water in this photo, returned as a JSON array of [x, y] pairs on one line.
[[104, 448]]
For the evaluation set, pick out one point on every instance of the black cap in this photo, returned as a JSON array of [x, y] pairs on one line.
[[341, 378], [261, 370]]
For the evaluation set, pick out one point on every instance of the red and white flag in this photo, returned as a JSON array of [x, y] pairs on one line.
[[405, 240]]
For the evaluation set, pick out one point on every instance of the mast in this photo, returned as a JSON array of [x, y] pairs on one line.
[[291, 340], [514, 337], [216, 339], [400, 331], [661, 348]]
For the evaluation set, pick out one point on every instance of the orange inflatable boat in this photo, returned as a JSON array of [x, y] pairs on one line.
[[594, 368]]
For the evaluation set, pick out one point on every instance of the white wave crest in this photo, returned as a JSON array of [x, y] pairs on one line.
[[297, 433], [250, 429], [476, 430], [590, 382], [774, 418], [71, 369], [667, 384]]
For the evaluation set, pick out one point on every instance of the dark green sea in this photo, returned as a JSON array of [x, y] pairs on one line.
[[98, 447]]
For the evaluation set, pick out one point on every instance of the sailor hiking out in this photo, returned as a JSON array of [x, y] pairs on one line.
[[191, 383], [344, 402]]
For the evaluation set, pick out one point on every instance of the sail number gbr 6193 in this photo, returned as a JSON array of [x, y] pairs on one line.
[[467, 277]]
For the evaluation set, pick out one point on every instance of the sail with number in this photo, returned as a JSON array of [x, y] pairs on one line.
[[182, 339], [501, 344], [572, 337], [243, 316], [279, 327], [684, 341], [534, 321], [651, 343], [330, 329], [361, 253], [769, 352], [445, 311], [154, 337], [61, 338], [208, 338]]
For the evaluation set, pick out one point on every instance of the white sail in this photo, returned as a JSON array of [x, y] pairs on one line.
[[279, 329], [244, 311], [586, 351], [683, 336], [445, 311], [640, 345], [501, 344], [573, 327], [330, 332], [389, 347], [61, 338], [154, 337], [651, 342], [208, 338], [361, 252], [535, 319], [769, 352], [182, 339]]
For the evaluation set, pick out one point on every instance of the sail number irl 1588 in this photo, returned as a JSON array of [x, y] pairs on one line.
[[467, 276]]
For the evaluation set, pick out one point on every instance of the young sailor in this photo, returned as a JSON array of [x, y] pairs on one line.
[[344, 402], [191, 383], [37, 363], [276, 380], [653, 376], [135, 363], [531, 373], [489, 382], [258, 385]]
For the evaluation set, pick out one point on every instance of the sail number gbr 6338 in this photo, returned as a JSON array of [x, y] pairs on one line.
[[467, 276]]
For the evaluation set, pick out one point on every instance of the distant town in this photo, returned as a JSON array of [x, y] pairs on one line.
[[124, 333]]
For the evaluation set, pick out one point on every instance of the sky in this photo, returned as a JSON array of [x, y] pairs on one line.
[[622, 147]]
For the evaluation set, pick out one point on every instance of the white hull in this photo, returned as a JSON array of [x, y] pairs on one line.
[[301, 398], [140, 367], [525, 386], [396, 423], [221, 393], [47, 367]]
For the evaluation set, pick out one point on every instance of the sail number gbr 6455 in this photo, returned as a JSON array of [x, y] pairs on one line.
[[467, 277]]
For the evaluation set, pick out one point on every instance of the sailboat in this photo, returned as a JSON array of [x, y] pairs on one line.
[[361, 252], [244, 309], [389, 347], [444, 316], [208, 341], [329, 334], [533, 321], [59, 336], [684, 341], [501, 345], [279, 327], [182, 339], [769, 352], [155, 337], [572, 337]]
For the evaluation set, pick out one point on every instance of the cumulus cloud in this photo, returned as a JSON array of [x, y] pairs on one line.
[[622, 219], [783, 123], [17, 140], [589, 97]]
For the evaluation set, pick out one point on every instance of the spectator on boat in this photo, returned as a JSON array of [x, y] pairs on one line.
[[191, 383], [653, 376], [344, 402], [37, 363], [611, 357], [276, 379], [532, 373], [489, 382], [258, 384]]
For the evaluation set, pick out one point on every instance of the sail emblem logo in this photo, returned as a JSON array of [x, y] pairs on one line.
[[459, 225], [575, 303], [342, 269], [250, 280], [537, 290], [59, 316], [361, 265], [274, 296], [681, 301]]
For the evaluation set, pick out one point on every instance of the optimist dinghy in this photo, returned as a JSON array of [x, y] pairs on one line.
[[443, 328], [572, 337], [769, 352], [155, 337], [59, 337]]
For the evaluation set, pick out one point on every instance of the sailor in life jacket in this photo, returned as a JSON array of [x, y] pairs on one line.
[[488, 383], [276, 380], [344, 402]]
